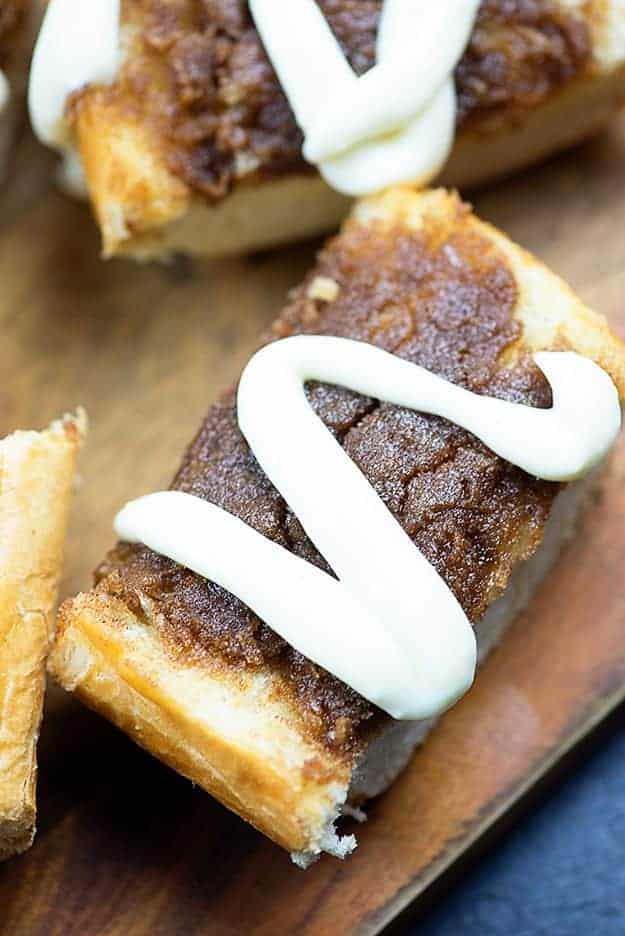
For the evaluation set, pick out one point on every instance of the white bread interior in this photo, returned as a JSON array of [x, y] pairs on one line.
[[234, 735], [146, 212], [37, 472]]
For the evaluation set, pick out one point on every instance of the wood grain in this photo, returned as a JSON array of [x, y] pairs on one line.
[[124, 845]]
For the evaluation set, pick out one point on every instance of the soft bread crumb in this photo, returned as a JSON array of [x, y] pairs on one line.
[[339, 846], [323, 288]]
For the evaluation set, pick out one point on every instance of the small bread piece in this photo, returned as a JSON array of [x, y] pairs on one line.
[[194, 148], [37, 471], [185, 668]]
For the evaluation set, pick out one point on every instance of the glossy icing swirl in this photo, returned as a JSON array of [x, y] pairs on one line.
[[394, 124], [409, 651]]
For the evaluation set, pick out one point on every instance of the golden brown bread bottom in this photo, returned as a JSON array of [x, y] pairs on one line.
[[236, 730], [145, 209], [37, 472]]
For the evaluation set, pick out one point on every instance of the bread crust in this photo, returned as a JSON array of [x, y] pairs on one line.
[[271, 772], [551, 315], [145, 210], [118, 667], [37, 471]]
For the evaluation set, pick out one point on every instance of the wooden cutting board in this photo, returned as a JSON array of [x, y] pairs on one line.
[[124, 845]]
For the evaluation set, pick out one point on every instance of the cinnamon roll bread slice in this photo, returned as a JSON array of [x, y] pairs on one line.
[[192, 675]]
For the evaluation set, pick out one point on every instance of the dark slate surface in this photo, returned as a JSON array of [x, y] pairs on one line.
[[560, 871]]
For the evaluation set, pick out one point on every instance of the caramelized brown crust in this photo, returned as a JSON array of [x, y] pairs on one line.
[[11, 16], [199, 74], [521, 52], [443, 297]]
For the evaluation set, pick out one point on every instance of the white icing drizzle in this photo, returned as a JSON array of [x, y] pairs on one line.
[[389, 627], [394, 124], [78, 44]]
